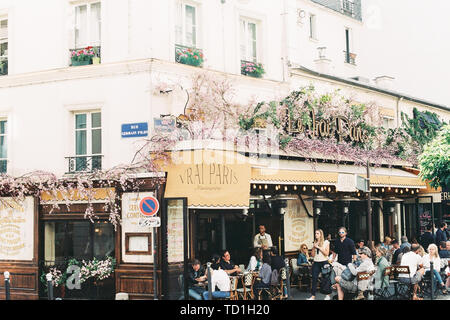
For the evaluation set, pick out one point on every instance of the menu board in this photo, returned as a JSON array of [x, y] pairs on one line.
[[424, 221], [16, 229], [175, 241]]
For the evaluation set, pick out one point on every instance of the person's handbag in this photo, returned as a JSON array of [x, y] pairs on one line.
[[326, 269], [347, 275]]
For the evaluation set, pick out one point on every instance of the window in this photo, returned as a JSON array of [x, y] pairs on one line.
[[312, 27], [186, 25], [88, 141], [3, 153], [248, 40], [388, 123], [349, 55], [79, 240], [4, 47], [87, 25]]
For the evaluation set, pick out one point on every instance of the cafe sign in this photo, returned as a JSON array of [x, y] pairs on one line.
[[209, 178], [339, 127], [16, 229]]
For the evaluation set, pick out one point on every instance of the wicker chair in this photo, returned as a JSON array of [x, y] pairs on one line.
[[247, 286]]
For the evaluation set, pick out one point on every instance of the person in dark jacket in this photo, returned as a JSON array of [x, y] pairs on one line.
[[441, 234], [427, 237], [395, 251], [196, 276], [277, 262]]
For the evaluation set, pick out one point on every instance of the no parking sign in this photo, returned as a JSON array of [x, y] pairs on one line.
[[149, 206]]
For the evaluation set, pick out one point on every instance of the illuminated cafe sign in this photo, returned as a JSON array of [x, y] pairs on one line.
[[339, 127]]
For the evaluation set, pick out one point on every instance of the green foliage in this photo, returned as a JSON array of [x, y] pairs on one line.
[[434, 162], [423, 127]]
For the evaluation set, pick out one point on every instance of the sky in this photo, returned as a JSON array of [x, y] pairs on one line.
[[411, 40]]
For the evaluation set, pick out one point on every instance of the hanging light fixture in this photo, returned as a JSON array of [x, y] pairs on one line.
[[295, 188], [312, 188], [285, 188], [260, 187], [406, 189], [382, 190], [304, 188]]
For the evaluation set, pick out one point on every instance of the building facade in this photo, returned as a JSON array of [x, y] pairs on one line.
[[64, 115]]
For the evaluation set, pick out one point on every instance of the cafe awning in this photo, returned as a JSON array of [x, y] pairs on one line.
[[290, 172]]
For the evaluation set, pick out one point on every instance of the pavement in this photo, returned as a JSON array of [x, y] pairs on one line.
[[302, 295]]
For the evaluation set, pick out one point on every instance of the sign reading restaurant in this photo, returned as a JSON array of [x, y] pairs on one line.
[[339, 127]]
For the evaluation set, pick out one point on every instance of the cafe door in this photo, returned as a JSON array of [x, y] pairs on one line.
[[175, 248]]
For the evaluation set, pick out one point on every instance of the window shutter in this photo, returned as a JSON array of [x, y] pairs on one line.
[[243, 40], [95, 24]]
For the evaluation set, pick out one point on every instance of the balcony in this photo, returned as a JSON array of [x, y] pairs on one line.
[[348, 8], [87, 164], [3, 66], [189, 55], [350, 58], [85, 56]]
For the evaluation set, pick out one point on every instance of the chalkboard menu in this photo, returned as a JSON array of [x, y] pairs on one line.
[[424, 220]]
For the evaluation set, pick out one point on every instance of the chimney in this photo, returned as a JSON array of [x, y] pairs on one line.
[[385, 82], [322, 64]]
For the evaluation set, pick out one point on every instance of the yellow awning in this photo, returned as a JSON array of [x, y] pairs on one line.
[[280, 176]]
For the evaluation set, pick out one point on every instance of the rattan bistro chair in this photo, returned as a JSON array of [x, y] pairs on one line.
[[384, 293], [277, 291], [403, 290], [247, 286]]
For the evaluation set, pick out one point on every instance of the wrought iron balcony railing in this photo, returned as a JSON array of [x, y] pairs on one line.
[[348, 7], [84, 163]]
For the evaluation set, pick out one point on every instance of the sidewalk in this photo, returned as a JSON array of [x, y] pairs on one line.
[[302, 295]]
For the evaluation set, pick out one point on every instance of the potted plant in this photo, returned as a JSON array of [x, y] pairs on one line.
[[82, 57], [190, 56], [252, 69]]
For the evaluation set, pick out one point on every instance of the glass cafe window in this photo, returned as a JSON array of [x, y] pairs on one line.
[[77, 239]]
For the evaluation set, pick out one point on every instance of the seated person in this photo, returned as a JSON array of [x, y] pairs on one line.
[[276, 261], [265, 273], [395, 252], [303, 256], [433, 256], [443, 252], [255, 260], [382, 263], [196, 276], [227, 265], [215, 262], [414, 261], [220, 279], [352, 286]]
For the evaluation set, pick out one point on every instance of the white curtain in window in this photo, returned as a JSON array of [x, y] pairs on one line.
[[81, 34], [191, 37]]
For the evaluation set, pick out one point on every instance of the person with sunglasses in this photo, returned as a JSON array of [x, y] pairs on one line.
[[345, 250]]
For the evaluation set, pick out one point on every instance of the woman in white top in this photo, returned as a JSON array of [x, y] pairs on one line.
[[434, 256], [255, 260], [320, 252]]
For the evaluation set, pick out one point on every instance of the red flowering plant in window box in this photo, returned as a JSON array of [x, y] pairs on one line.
[[191, 56], [83, 56], [252, 69]]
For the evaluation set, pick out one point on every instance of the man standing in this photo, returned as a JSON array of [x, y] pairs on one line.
[[262, 240], [441, 234], [227, 265], [345, 250], [414, 261], [444, 253], [427, 238]]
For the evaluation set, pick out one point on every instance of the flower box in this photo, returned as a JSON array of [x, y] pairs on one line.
[[190, 56], [82, 57], [252, 69], [80, 63]]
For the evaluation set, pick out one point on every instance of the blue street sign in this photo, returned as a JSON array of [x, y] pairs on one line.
[[133, 130]]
